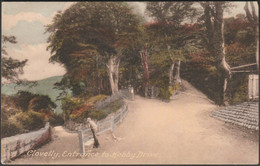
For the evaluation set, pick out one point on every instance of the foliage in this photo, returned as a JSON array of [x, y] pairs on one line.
[[88, 110], [27, 100], [30, 120], [44, 87], [175, 12], [112, 107], [42, 103], [201, 71], [10, 128], [69, 104], [84, 37], [22, 122], [94, 99], [176, 46], [10, 68], [26, 112]]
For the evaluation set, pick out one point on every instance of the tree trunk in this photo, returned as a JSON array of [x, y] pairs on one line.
[[257, 45], [257, 53], [144, 58], [171, 75], [253, 19], [209, 26], [177, 76], [219, 49], [113, 73]]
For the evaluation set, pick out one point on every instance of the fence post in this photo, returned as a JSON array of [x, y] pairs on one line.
[[250, 87], [81, 144], [121, 114], [112, 123], [7, 152]]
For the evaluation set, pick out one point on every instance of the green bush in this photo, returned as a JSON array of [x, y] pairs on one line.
[[69, 104], [80, 118], [97, 98], [112, 107], [10, 128], [30, 120], [116, 105], [98, 114], [164, 93]]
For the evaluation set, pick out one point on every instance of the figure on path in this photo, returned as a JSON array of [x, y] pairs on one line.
[[93, 128]]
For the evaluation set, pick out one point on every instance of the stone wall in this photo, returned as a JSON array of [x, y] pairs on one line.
[[13, 146], [245, 114]]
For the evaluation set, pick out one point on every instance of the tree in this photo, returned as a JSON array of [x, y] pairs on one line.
[[169, 18], [254, 20], [27, 100], [42, 103], [102, 29], [10, 68], [213, 17], [175, 12]]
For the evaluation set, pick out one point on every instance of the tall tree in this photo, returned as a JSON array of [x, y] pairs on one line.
[[170, 18], [214, 22], [104, 28]]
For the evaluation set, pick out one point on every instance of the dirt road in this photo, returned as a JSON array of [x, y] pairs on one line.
[[179, 132]]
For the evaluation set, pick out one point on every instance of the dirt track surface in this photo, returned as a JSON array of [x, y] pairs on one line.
[[179, 132]]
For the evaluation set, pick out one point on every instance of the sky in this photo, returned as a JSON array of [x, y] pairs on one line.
[[26, 21]]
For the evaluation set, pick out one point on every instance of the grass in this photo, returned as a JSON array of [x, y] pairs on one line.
[[103, 113]]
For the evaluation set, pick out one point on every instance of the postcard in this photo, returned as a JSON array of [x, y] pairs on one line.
[[145, 82]]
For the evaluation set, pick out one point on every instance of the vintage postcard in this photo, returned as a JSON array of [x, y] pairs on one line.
[[146, 82]]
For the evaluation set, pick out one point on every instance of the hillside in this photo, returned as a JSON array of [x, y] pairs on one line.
[[44, 87]]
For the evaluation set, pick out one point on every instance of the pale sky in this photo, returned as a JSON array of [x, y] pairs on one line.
[[26, 21]]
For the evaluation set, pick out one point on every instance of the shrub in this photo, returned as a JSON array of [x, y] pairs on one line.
[[10, 128], [94, 99], [98, 114], [164, 93], [112, 107], [42, 102], [69, 104], [30, 120]]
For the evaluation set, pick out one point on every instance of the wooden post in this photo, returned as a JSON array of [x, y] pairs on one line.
[[152, 88], [7, 152], [112, 123], [145, 91], [257, 86], [81, 143]]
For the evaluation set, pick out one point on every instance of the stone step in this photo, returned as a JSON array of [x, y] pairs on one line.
[[241, 109], [237, 115], [237, 122], [243, 120], [240, 112]]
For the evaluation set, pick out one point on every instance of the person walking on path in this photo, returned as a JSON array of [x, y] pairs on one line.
[[93, 128]]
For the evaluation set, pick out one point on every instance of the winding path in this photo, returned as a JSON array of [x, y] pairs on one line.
[[179, 132]]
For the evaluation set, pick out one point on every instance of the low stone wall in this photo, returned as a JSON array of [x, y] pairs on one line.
[[12, 147], [245, 114]]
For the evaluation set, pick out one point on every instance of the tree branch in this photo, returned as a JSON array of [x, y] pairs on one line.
[[253, 12], [248, 14]]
